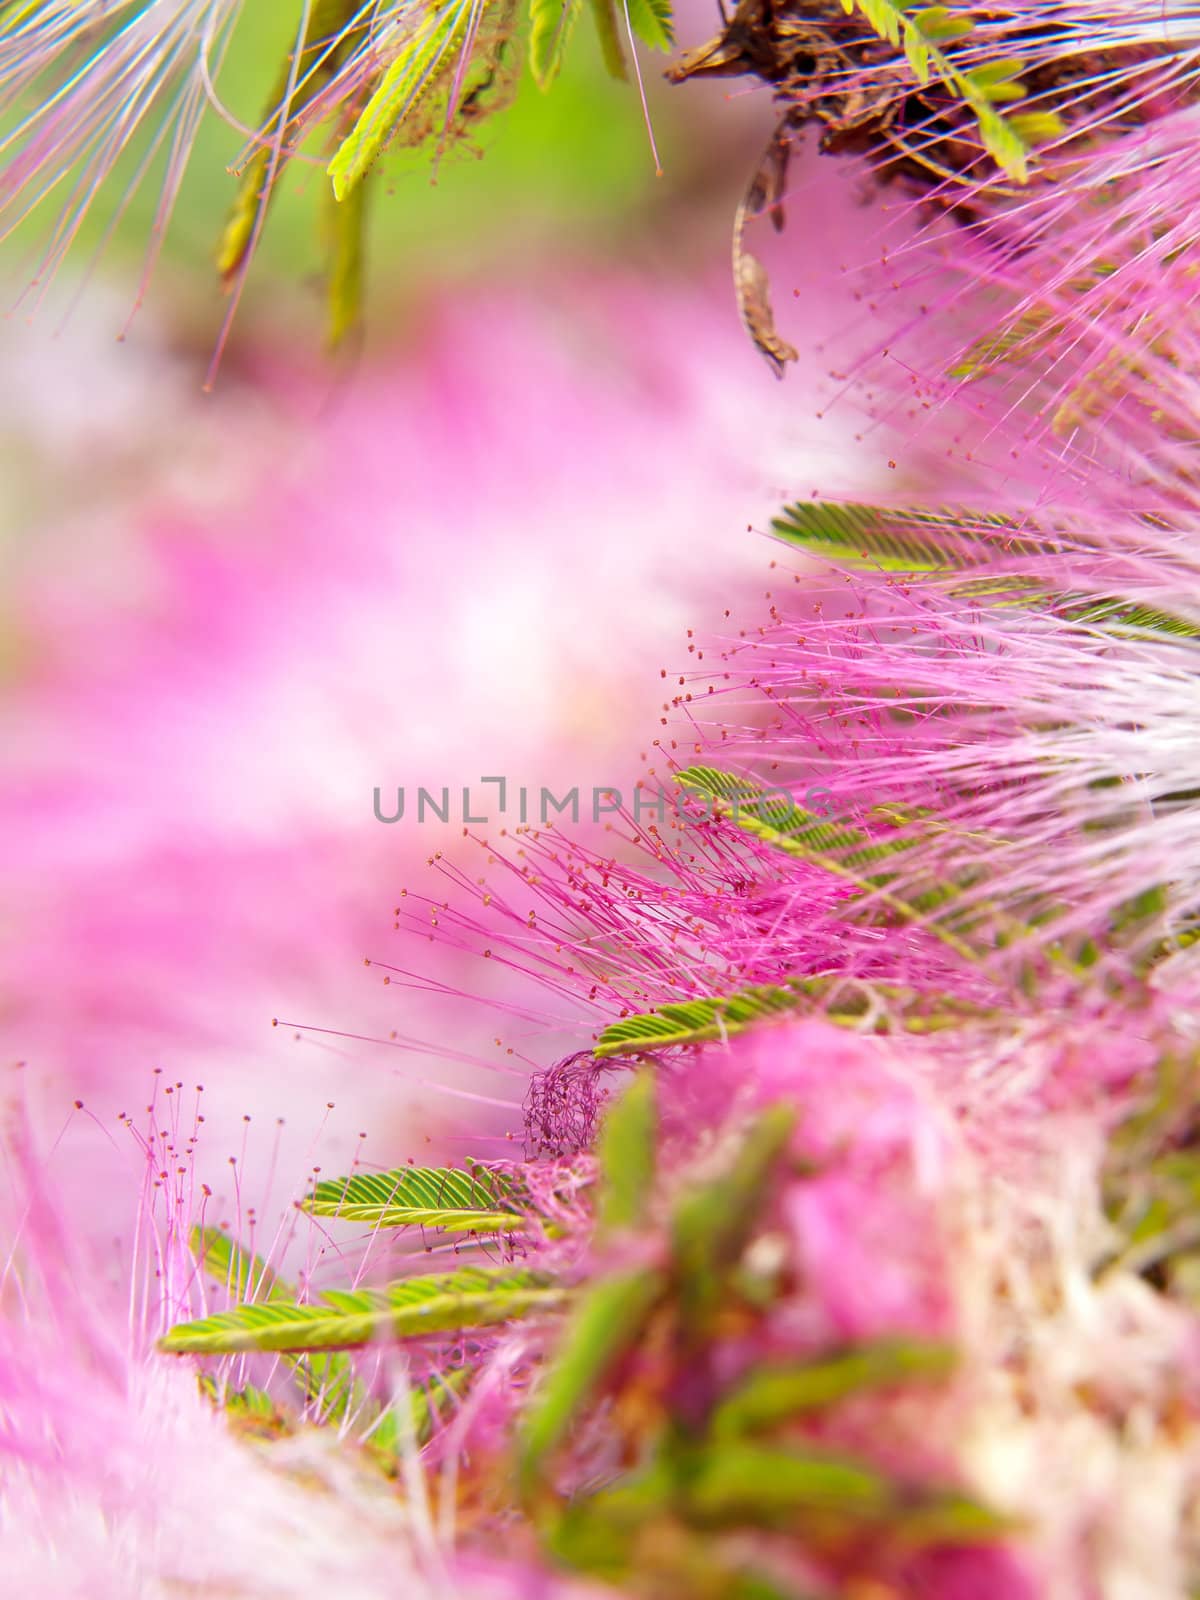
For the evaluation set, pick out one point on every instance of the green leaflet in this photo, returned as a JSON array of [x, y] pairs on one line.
[[904, 539], [604, 16], [345, 237], [1152, 1181], [833, 847], [608, 1320], [652, 21], [377, 1425], [714, 1220], [475, 1200], [1014, 337], [675, 1504], [250, 1409], [695, 1021], [420, 59], [320, 54], [709, 1230], [920, 34], [761, 1486], [239, 227], [912, 540], [940, 907], [700, 1468], [838, 999], [552, 23], [764, 1486], [599, 1533], [609, 1533], [245, 1276], [431, 1400], [327, 1380], [771, 1395], [1116, 614], [472, 1297], [810, 834], [626, 1153]]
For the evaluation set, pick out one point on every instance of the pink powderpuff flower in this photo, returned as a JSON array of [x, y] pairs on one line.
[[1033, 679], [896, 1215], [998, 699]]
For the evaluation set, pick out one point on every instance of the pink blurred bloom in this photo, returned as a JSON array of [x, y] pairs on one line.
[[870, 1250]]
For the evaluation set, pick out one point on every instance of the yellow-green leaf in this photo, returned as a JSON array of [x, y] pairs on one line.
[[421, 57], [552, 23]]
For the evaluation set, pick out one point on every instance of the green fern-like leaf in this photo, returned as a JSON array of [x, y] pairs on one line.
[[552, 23], [751, 1486], [245, 1275], [604, 18], [694, 1021], [837, 848], [842, 851], [952, 910], [327, 1378], [420, 59], [250, 1409], [653, 22], [915, 540], [904, 539], [1116, 614], [1124, 616], [381, 1427], [920, 33], [477, 1200], [1015, 337], [835, 999], [437, 1396], [472, 1297], [715, 1219]]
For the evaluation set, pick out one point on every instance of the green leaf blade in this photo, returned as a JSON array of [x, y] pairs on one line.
[[771, 1395], [552, 22], [406, 79], [626, 1154], [475, 1200], [604, 18], [606, 1323], [652, 22], [473, 1297], [920, 34], [245, 1275]]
